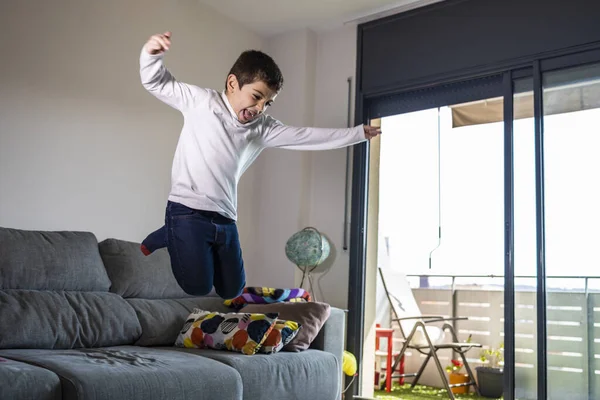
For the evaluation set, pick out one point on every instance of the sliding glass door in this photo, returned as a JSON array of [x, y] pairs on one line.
[[571, 164], [440, 224], [553, 207], [490, 204]]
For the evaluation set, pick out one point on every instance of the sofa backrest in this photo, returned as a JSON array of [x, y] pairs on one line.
[[54, 293], [36, 260], [134, 275], [148, 285]]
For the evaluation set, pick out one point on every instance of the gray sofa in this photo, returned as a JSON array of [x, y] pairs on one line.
[[86, 320]]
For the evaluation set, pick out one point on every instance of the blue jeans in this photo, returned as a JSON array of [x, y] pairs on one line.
[[205, 251]]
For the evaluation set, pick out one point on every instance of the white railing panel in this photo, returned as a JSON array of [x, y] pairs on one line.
[[567, 329]]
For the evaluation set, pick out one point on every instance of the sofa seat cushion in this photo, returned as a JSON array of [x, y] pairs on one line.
[[135, 373], [311, 374], [21, 381]]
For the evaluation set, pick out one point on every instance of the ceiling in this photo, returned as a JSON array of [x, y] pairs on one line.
[[272, 17]]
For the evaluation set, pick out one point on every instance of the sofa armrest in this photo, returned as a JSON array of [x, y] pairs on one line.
[[331, 338], [331, 335]]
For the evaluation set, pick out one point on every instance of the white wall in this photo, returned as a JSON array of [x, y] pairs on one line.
[[82, 145], [282, 177], [336, 62], [298, 189]]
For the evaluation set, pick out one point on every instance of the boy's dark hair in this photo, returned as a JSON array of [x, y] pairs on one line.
[[253, 65]]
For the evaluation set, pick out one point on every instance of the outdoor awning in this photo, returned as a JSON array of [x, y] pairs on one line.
[[557, 100]]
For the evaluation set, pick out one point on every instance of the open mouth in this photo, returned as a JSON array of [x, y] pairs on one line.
[[249, 115]]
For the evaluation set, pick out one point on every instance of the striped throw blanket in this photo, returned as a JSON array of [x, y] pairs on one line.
[[265, 295]]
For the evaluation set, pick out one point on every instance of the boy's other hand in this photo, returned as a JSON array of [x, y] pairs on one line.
[[371, 131], [158, 43]]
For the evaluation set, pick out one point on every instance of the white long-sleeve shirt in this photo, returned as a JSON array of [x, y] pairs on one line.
[[215, 149]]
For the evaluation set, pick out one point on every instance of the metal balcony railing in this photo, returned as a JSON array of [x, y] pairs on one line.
[[573, 327]]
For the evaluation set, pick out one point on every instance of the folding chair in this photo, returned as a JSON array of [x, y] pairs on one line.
[[422, 336]]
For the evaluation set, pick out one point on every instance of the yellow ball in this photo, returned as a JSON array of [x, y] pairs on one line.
[[349, 363]]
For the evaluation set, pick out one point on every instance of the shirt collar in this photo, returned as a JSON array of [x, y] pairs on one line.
[[228, 105]]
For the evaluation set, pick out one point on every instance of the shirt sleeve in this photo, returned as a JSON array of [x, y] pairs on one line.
[[157, 80], [282, 136]]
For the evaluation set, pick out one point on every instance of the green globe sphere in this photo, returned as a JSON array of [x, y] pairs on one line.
[[307, 248]]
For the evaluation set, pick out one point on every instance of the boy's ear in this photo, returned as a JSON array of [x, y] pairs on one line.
[[232, 83]]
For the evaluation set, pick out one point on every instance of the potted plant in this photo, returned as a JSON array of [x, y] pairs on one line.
[[455, 375], [490, 377]]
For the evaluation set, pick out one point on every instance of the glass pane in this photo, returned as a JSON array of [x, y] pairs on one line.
[[572, 199], [524, 242], [408, 225], [442, 170], [408, 188], [457, 187]]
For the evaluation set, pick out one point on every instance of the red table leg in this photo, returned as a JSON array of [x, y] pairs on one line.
[[387, 333], [388, 369]]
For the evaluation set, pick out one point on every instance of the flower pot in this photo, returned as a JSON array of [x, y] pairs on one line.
[[490, 382], [454, 378]]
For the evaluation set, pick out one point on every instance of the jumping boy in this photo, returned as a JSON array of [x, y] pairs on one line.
[[223, 133]]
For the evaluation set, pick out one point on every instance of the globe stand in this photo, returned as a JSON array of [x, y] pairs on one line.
[[307, 274]]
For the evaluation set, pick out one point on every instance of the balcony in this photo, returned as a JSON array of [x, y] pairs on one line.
[[573, 322]]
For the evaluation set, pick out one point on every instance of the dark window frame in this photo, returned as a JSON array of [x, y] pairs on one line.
[[371, 103]]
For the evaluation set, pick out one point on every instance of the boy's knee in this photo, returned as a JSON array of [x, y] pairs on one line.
[[230, 293], [197, 290]]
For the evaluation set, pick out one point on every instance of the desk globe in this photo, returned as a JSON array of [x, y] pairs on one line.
[[307, 249]]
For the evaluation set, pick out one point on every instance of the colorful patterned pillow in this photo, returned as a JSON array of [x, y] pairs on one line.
[[282, 333], [312, 316], [239, 332]]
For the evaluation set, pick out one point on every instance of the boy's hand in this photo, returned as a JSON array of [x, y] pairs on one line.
[[158, 43], [371, 131]]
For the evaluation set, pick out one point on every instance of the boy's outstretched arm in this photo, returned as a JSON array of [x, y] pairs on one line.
[[158, 80], [288, 137]]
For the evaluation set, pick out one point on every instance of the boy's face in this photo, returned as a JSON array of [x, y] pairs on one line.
[[251, 100]]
